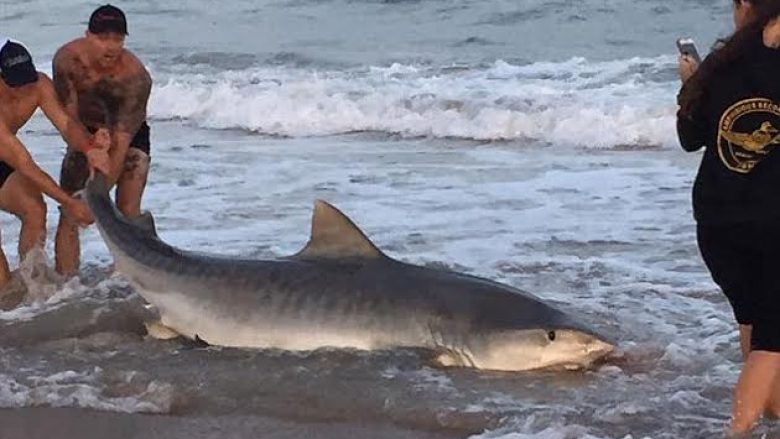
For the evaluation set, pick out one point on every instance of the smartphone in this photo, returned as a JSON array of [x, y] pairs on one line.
[[688, 47]]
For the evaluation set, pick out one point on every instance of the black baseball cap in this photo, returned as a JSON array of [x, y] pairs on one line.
[[16, 65], [108, 18]]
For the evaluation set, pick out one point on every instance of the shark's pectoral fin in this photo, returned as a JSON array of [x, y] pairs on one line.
[[160, 332], [451, 358], [200, 343], [334, 235], [189, 343], [447, 359], [145, 221]]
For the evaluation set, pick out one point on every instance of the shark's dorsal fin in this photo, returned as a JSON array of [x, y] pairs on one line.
[[333, 235], [145, 221]]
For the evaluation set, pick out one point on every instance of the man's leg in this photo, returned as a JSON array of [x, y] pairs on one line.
[[73, 175], [132, 182], [5, 272], [67, 250], [20, 197]]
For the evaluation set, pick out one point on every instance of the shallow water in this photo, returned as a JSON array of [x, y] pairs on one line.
[[583, 229], [530, 143]]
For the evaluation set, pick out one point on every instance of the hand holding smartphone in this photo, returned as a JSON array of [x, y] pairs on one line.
[[687, 47], [689, 59]]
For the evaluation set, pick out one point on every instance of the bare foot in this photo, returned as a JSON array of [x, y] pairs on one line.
[[12, 294]]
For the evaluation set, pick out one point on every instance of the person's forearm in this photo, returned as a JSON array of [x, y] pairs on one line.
[[77, 137], [117, 159], [690, 133], [45, 183]]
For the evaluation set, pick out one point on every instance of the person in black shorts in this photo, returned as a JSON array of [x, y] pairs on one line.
[[22, 91], [75, 172], [107, 88], [731, 106], [5, 171]]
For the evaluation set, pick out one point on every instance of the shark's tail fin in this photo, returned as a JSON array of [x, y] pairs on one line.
[[96, 195]]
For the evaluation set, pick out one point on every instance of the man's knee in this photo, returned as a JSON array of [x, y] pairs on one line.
[[66, 224], [38, 207], [74, 171], [130, 208], [132, 182], [136, 164], [34, 211]]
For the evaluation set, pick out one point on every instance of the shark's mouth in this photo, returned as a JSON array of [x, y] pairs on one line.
[[573, 366]]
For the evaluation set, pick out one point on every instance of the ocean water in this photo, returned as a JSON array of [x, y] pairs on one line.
[[529, 142]]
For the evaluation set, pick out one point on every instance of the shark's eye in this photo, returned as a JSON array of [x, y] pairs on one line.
[[551, 335]]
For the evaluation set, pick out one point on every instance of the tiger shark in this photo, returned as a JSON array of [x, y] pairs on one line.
[[340, 291]]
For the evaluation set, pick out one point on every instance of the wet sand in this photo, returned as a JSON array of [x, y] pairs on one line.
[[68, 423]]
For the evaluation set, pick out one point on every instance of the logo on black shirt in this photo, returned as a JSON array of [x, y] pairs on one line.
[[748, 131]]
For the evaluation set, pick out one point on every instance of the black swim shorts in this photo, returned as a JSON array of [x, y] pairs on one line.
[[74, 171], [744, 260], [5, 171]]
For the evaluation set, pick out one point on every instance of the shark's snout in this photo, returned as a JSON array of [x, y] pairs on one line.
[[598, 349]]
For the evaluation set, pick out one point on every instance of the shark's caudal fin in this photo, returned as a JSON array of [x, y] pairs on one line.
[[333, 235]]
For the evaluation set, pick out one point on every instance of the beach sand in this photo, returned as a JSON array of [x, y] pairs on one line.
[[69, 423]]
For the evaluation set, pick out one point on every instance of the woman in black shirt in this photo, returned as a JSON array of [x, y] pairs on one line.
[[731, 105]]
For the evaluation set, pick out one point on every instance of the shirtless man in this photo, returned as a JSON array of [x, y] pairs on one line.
[[22, 91], [106, 87]]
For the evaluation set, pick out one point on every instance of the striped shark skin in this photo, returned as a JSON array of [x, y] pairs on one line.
[[340, 291]]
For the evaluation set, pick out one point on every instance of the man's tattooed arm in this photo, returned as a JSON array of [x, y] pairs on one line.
[[131, 113], [65, 68], [135, 96]]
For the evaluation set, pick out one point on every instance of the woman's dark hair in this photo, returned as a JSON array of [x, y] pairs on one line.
[[729, 53]]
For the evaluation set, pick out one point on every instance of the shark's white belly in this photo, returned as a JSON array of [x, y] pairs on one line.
[[191, 320]]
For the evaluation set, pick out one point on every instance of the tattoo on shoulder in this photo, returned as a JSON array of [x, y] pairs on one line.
[[65, 69]]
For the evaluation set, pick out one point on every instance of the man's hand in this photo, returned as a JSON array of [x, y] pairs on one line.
[[102, 139], [99, 161], [79, 212], [98, 157], [688, 67]]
